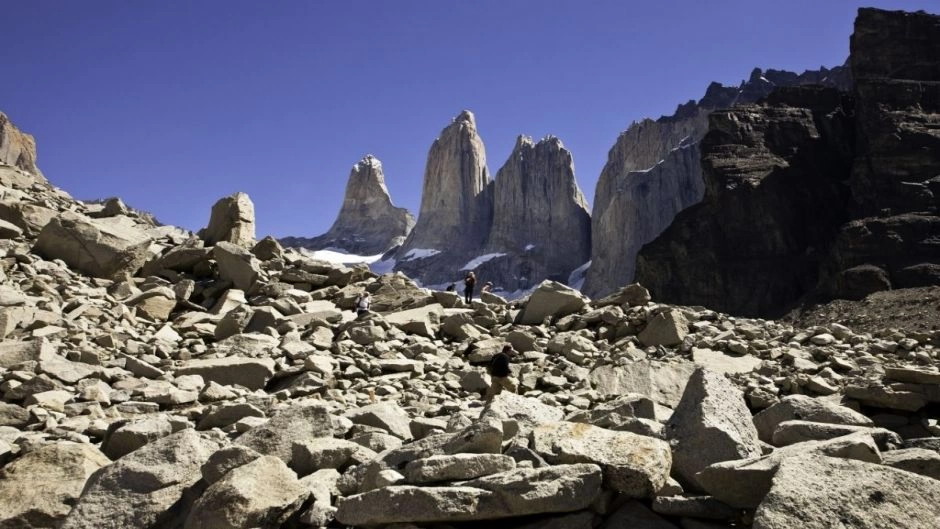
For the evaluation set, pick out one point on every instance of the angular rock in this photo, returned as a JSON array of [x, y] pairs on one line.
[[252, 373], [146, 484], [236, 264], [226, 459], [562, 488], [666, 328], [133, 435], [744, 483], [663, 383], [39, 489], [551, 299], [916, 460], [711, 424], [812, 492], [300, 422], [633, 465], [261, 493], [327, 453], [456, 467], [385, 415], [802, 407], [96, 247], [232, 220]]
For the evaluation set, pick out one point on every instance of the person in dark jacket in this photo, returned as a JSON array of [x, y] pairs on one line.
[[468, 283], [500, 374]]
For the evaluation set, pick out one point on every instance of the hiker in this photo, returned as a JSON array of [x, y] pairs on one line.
[[452, 287], [468, 283], [500, 374], [487, 287], [362, 304]]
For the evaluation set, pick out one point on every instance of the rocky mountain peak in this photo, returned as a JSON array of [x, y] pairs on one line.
[[456, 205], [368, 223], [17, 149]]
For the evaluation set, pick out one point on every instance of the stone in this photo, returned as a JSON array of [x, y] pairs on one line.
[[666, 328], [251, 373], [634, 514], [13, 415], [456, 467], [385, 415], [154, 305], [551, 299], [711, 424], [232, 220], [39, 488], [261, 493], [694, 506], [130, 436], [811, 492], [300, 422], [327, 453], [368, 223], [663, 383], [744, 483], [146, 483], [519, 414], [423, 321], [17, 149], [881, 396], [228, 414], [633, 465], [95, 247], [790, 432], [236, 264], [631, 295], [226, 459], [8, 230], [725, 364], [561, 488], [802, 407], [916, 460]]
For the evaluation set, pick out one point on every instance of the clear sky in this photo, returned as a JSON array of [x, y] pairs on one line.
[[173, 104]]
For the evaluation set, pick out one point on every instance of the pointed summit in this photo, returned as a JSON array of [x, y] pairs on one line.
[[539, 212], [456, 207], [368, 223]]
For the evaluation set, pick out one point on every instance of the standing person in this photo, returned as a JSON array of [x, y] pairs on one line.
[[500, 374], [468, 283], [363, 302]]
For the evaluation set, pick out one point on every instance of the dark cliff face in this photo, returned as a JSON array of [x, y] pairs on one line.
[[812, 194], [652, 172]]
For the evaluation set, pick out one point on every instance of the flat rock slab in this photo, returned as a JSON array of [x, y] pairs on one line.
[[456, 467], [661, 382], [823, 492], [252, 373], [633, 465], [551, 299], [802, 407], [724, 363], [563, 488]]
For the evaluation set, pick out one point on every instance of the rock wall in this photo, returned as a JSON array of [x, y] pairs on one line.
[[541, 223], [368, 223], [649, 176], [17, 148], [813, 195]]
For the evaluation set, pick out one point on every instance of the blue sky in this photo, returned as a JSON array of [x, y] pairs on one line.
[[173, 104]]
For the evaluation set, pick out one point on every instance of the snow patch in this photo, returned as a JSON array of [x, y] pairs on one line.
[[384, 266], [529, 246], [420, 253], [334, 257], [578, 275], [477, 261]]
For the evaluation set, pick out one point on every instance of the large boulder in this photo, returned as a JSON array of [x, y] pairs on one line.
[[661, 382], [232, 220], [520, 492], [236, 264], [299, 422], [711, 424], [385, 415], [815, 492], [666, 328], [456, 467], [633, 465], [96, 247], [141, 488], [262, 493], [38, 489], [805, 408], [17, 149], [551, 299], [743, 483], [252, 373]]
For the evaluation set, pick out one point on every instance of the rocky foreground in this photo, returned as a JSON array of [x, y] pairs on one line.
[[155, 378]]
